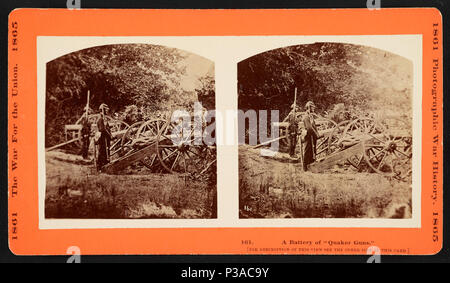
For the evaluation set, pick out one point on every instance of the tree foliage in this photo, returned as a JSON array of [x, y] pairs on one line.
[[147, 76], [206, 92], [327, 74]]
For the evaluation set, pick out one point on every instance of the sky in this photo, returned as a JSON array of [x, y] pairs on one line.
[[196, 67]]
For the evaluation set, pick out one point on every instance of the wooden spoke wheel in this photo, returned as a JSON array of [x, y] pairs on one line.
[[360, 127], [126, 144], [116, 125], [325, 127], [389, 152], [334, 140], [179, 152], [324, 124], [148, 132], [339, 140], [354, 133], [146, 135], [347, 134], [115, 148]]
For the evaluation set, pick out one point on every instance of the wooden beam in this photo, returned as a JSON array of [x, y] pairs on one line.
[[330, 161], [125, 161], [269, 142], [326, 131], [118, 134], [62, 144]]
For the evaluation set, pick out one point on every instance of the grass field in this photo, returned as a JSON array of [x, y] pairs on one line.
[[268, 188], [276, 188], [75, 190]]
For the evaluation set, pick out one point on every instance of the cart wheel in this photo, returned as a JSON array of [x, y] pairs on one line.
[[355, 132], [335, 143], [389, 153], [323, 123], [178, 152], [147, 134], [116, 125], [334, 138], [322, 143], [360, 127], [127, 139]]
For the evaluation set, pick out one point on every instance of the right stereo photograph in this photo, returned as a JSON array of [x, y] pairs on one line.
[[336, 137]]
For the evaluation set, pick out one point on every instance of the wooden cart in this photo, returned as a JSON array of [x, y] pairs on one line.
[[365, 144], [162, 146]]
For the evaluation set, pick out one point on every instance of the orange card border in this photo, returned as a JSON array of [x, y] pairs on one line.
[[25, 25]]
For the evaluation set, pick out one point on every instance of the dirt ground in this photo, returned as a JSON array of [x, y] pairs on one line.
[[275, 187], [75, 190]]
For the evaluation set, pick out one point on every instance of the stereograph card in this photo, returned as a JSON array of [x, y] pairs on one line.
[[317, 132]]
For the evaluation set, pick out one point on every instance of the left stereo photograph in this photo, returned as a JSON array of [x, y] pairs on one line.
[[126, 134]]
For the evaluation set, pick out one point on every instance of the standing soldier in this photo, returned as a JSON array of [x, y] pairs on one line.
[[293, 130], [85, 134], [311, 135], [105, 137]]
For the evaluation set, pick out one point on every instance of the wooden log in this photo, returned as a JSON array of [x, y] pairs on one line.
[[302, 133], [269, 142], [330, 161], [347, 144], [125, 161], [118, 134], [62, 144]]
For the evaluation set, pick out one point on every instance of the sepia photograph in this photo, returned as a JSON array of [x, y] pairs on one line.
[[202, 133], [339, 143], [122, 124]]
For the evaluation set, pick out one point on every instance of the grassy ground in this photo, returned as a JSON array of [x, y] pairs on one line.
[[276, 188], [75, 190]]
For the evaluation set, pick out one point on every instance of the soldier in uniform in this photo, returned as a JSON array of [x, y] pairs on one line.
[[293, 130], [85, 134], [311, 137], [104, 139]]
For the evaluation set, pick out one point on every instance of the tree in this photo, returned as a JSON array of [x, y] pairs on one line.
[[118, 75], [326, 73], [207, 92]]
